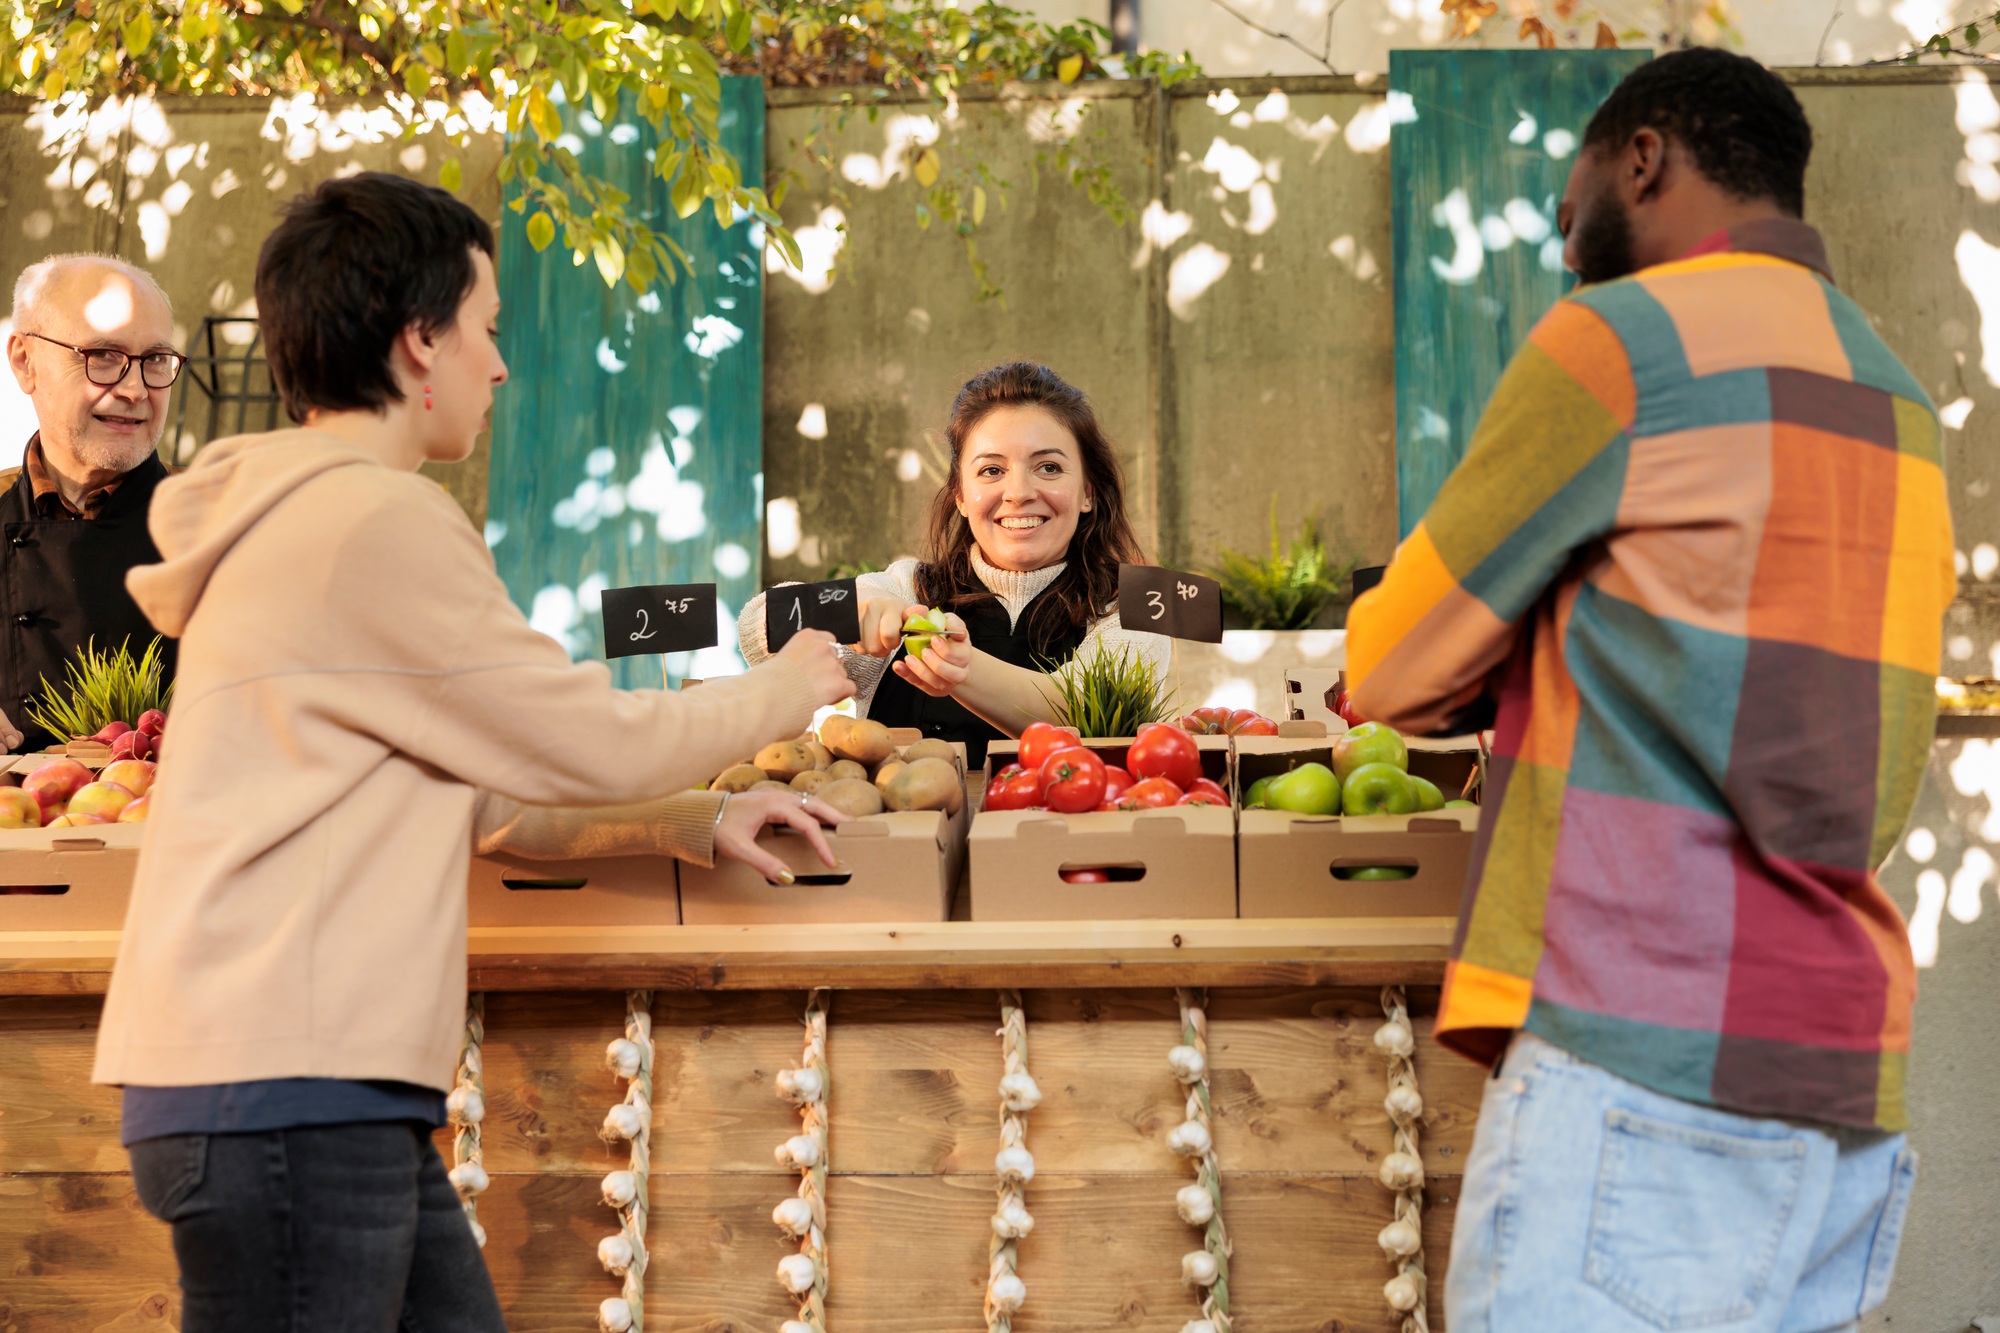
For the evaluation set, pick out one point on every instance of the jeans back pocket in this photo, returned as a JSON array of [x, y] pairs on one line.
[[1687, 1221], [167, 1171]]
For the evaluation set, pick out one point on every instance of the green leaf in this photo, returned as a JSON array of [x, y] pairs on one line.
[[927, 166], [739, 31], [417, 79], [138, 32], [526, 54], [543, 115], [978, 206], [457, 54], [687, 192], [788, 246], [610, 257], [541, 230], [451, 176], [640, 270]]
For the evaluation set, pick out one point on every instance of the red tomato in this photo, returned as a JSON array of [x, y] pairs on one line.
[[1150, 794], [1202, 798], [1206, 721], [1212, 788], [1041, 739], [1021, 791], [1166, 752], [1343, 708], [1072, 780], [1247, 722], [1116, 780], [1085, 876]]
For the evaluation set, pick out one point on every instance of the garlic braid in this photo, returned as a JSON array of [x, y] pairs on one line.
[[630, 1057], [1403, 1169], [804, 1274], [1014, 1165], [466, 1108], [1200, 1204]]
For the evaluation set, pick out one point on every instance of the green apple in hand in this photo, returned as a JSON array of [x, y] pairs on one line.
[[1428, 796], [1253, 799], [1309, 789], [1377, 789], [1369, 743], [918, 629], [1459, 805]]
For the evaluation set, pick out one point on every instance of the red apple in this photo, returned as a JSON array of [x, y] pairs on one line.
[[134, 775], [19, 808], [76, 821], [136, 812], [105, 799], [153, 722], [54, 783]]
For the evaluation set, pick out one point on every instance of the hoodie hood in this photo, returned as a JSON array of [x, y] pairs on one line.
[[198, 516]]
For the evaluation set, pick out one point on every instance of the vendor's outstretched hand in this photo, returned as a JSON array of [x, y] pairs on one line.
[[813, 649], [745, 813], [881, 627], [945, 664]]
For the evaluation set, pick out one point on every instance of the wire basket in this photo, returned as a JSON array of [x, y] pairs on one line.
[[227, 373]]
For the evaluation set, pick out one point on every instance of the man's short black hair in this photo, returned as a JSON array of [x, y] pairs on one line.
[[351, 265], [1747, 132]]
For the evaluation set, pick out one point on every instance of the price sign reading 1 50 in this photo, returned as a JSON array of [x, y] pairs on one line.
[[1167, 601], [833, 606]]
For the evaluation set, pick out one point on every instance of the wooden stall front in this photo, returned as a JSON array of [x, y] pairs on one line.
[[1296, 1080]]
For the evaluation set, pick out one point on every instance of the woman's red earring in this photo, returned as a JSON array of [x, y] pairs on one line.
[[427, 398]]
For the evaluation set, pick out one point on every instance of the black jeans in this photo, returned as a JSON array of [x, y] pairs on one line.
[[325, 1229]]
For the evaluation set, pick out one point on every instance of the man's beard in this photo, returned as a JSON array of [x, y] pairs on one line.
[[1604, 240], [113, 455]]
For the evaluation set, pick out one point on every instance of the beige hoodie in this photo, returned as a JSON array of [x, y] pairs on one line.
[[352, 673]]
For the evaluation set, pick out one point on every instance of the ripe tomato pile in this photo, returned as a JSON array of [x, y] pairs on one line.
[[1056, 772], [1228, 722]]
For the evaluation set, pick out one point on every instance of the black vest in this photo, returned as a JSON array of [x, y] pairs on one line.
[[62, 582], [897, 703]]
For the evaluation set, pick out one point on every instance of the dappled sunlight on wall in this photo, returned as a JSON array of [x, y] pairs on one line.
[[1949, 846]]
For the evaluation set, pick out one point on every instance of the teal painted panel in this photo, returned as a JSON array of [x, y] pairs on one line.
[[628, 446], [1480, 146]]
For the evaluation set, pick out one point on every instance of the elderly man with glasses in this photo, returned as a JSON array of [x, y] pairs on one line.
[[92, 346]]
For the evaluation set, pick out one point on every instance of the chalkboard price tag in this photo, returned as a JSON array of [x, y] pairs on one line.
[[662, 618], [1166, 601], [833, 606]]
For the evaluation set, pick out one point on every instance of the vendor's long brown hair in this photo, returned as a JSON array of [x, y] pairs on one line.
[[1087, 588]]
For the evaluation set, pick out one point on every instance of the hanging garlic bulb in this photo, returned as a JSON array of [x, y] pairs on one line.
[[479, 1234], [1393, 1038], [799, 1152], [1200, 1268], [1014, 1164], [1190, 1138], [1020, 1092], [1195, 1204], [796, 1273], [1399, 1239], [1402, 1171], [794, 1216], [1007, 1292], [623, 1121], [620, 1188], [1198, 1326], [614, 1314], [1012, 1222], [465, 1105], [1403, 1102], [1187, 1063], [800, 1085], [623, 1057], [796, 1326], [1401, 1292], [469, 1178], [615, 1253]]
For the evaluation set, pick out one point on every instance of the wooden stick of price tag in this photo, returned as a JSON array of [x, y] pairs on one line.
[[661, 618], [1166, 601], [833, 606]]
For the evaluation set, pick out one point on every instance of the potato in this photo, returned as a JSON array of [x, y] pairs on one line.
[[929, 748], [847, 768], [740, 778], [822, 757], [833, 729], [851, 796], [886, 771], [784, 760], [924, 784], [810, 780], [769, 784], [865, 742]]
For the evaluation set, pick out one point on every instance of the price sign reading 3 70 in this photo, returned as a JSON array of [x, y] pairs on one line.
[[1167, 601]]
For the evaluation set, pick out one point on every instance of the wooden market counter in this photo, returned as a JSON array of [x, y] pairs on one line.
[[1297, 1089]]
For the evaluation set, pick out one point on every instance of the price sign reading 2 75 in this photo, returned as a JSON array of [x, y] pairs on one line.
[[833, 606], [662, 618], [1166, 601]]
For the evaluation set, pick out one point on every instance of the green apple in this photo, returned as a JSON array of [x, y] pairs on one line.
[[1377, 789], [917, 630], [1375, 872], [1369, 743], [1309, 789], [1253, 799], [1428, 796], [1459, 805]]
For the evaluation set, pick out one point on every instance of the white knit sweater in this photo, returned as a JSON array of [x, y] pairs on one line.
[[1015, 591]]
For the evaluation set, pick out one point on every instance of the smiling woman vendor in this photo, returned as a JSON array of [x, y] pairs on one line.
[[1023, 548]]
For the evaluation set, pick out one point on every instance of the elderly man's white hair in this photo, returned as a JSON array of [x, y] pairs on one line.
[[34, 282]]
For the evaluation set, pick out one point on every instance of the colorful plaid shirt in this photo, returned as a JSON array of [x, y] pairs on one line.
[[1694, 566]]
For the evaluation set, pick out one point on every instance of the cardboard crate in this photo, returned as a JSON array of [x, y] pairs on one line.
[[895, 866], [1286, 863], [596, 891], [1309, 695], [67, 878], [1166, 864]]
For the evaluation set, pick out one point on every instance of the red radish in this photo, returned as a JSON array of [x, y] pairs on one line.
[[133, 745], [112, 731], [153, 722]]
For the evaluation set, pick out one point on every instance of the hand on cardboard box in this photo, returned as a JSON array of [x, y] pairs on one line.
[[744, 815]]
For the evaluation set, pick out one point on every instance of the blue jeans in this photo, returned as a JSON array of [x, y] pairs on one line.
[[324, 1229], [1594, 1205]]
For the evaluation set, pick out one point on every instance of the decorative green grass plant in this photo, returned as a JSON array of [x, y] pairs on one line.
[[104, 686], [1286, 589], [1110, 694]]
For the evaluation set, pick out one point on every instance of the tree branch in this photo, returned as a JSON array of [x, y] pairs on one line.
[[316, 21], [1320, 56]]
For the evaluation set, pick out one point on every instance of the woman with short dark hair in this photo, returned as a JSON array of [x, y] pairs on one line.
[[357, 696]]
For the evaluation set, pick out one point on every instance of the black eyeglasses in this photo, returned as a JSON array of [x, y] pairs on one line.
[[106, 366]]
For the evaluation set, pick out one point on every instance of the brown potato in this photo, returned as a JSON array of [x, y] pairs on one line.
[[847, 768], [833, 729], [784, 760], [810, 780], [885, 772], [742, 777], [769, 785], [822, 757], [925, 784], [929, 748], [851, 796], [865, 742]]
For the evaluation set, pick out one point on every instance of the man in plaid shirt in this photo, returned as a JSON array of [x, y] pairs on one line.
[[1693, 571]]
